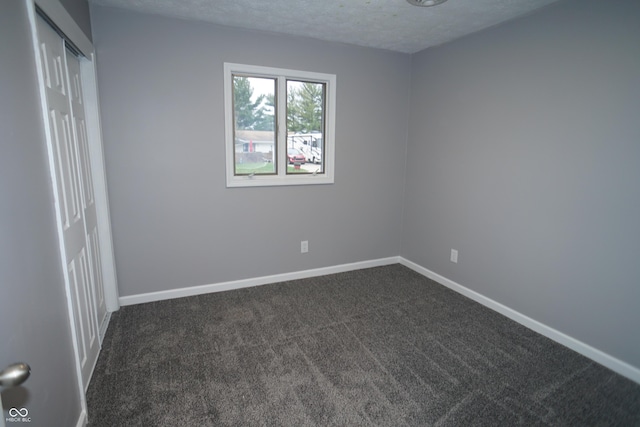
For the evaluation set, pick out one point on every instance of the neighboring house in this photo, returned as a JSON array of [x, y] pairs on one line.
[[254, 141]]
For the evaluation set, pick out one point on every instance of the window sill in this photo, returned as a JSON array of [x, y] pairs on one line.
[[273, 181]]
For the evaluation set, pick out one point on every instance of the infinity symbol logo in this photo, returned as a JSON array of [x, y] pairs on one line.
[[22, 412]]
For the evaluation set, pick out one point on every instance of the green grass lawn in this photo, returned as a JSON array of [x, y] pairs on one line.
[[247, 168], [262, 168]]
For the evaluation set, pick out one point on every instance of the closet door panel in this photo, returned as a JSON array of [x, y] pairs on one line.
[[72, 194]]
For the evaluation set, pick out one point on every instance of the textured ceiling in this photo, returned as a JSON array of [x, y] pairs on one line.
[[387, 24]]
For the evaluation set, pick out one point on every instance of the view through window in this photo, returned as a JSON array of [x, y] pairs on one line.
[[281, 124]]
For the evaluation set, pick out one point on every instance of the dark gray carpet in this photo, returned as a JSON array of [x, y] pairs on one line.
[[382, 346]]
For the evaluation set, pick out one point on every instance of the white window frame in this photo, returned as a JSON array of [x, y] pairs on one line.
[[282, 178]]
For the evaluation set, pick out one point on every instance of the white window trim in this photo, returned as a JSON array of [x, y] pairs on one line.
[[281, 139]]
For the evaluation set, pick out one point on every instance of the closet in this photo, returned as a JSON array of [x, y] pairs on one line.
[[82, 224]]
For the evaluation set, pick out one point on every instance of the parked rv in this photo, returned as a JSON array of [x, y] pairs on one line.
[[309, 144]]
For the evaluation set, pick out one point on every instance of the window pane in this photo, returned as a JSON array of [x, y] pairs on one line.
[[305, 126], [274, 116], [254, 107]]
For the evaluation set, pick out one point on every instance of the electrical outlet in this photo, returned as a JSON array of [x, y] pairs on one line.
[[454, 255], [304, 246]]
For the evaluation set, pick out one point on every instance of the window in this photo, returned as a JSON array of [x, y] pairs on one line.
[[279, 126]]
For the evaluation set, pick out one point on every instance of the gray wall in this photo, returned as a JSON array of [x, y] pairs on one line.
[[79, 11], [174, 222], [34, 325], [524, 154]]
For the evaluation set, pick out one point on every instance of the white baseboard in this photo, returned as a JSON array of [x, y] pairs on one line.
[[245, 283], [616, 365], [82, 420]]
